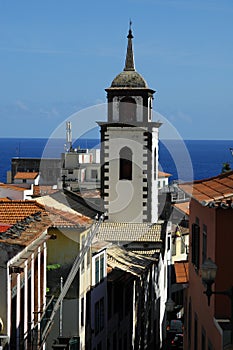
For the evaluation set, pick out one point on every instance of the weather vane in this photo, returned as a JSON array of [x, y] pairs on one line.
[[130, 24]]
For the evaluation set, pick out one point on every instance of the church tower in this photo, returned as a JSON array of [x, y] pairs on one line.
[[129, 148]]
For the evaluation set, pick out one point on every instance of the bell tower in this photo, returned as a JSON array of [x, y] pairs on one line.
[[129, 148]]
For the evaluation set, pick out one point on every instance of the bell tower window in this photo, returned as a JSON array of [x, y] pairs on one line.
[[127, 109], [125, 164]]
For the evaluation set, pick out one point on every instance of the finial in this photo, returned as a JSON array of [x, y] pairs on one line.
[[130, 35], [129, 61]]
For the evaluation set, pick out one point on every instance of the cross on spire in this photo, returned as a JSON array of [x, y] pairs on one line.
[[129, 61]]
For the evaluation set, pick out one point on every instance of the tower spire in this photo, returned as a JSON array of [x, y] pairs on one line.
[[129, 61]]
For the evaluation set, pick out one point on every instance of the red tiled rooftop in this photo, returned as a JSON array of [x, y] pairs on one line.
[[26, 175], [60, 218], [4, 227], [13, 187], [183, 207], [42, 190], [213, 189], [17, 210], [163, 174]]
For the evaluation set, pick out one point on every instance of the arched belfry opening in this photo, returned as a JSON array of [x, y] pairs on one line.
[[127, 109], [125, 164]]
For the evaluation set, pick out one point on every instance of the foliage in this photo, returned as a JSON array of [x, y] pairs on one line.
[[53, 267]]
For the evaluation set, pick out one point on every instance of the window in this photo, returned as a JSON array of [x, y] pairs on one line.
[[82, 312], [125, 164], [203, 339], [99, 268], [94, 174], [125, 341], [189, 322], [174, 247], [210, 345], [99, 316], [114, 341], [127, 109], [158, 184], [182, 245], [204, 243], [195, 245], [196, 332], [88, 257], [109, 294], [83, 243]]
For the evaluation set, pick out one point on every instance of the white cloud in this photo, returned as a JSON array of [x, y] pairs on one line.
[[21, 105]]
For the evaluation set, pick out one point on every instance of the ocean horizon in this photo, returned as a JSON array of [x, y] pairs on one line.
[[205, 157]]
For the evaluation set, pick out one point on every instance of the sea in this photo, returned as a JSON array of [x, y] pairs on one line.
[[185, 160]]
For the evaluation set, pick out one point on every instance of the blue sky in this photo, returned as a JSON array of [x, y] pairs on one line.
[[57, 57]]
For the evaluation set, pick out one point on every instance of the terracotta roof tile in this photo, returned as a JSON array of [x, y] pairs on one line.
[[60, 218], [213, 189], [4, 227], [163, 174], [26, 175], [32, 231], [42, 190], [17, 210], [183, 207], [13, 187]]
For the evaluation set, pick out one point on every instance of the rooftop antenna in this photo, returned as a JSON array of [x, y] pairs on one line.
[[69, 136]]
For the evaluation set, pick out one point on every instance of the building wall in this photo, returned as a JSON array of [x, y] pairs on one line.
[[203, 315], [22, 293], [99, 300], [224, 277], [131, 200]]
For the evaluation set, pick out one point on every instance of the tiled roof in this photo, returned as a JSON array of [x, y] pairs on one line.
[[163, 174], [4, 227], [30, 232], [152, 253], [70, 200], [17, 210], [13, 211], [182, 271], [182, 207], [13, 187], [217, 188], [60, 218], [5, 199], [128, 232], [62, 214], [26, 221], [120, 258], [42, 190], [26, 175]]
